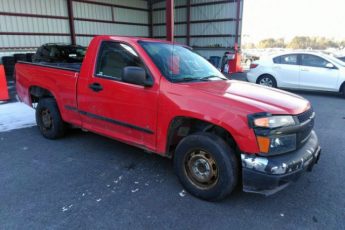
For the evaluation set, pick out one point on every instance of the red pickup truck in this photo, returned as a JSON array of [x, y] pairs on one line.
[[164, 98]]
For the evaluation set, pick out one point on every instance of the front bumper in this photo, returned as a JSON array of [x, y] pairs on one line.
[[268, 175]]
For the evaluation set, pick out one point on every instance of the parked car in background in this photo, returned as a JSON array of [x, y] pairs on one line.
[[61, 55], [302, 70]]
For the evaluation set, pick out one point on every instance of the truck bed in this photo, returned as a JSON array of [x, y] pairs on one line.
[[57, 78], [66, 66]]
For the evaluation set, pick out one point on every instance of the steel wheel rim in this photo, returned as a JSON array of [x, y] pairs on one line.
[[201, 169], [47, 119], [266, 82]]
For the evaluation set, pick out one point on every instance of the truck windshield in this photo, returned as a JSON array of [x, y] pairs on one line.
[[179, 64]]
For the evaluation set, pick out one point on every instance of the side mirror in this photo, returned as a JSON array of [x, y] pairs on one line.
[[136, 75], [330, 66]]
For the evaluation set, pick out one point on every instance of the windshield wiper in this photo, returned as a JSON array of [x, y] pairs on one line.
[[190, 79], [186, 79], [212, 76]]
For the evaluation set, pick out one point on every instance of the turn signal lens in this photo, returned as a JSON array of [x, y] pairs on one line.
[[264, 144], [277, 145]]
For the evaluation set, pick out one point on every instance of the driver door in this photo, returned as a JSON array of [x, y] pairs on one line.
[[115, 108]]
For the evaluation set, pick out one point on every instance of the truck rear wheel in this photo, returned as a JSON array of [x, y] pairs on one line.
[[49, 120], [206, 166]]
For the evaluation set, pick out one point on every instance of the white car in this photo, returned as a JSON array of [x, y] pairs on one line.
[[302, 70]]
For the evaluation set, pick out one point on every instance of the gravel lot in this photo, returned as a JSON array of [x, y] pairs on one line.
[[86, 181]]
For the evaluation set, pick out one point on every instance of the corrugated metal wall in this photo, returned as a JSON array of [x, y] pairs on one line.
[[212, 28], [92, 19], [16, 17], [30, 23], [27, 24]]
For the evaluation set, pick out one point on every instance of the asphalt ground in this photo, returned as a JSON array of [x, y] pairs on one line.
[[86, 181]]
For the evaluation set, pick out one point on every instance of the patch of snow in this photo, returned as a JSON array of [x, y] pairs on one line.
[[118, 179], [83, 194], [136, 182], [16, 116], [182, 193], [25, 148], [98, 200], [135, 190], [282, 214], [66, 208]]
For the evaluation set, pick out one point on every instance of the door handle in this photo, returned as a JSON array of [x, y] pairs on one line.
[[96, 87]]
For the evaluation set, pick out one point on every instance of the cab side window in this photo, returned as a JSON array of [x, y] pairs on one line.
[[114, 57], [313, 61]]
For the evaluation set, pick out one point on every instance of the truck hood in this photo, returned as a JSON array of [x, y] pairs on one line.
[[262, 98]]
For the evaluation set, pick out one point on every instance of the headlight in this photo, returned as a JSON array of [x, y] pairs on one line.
[[274, 145], [274, 121], [269, 140]]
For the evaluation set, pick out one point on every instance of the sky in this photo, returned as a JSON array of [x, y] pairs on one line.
[[288, 18]]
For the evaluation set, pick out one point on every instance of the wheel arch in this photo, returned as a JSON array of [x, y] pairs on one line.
[[37, 92], [342, 86], [264, 74], [182, 126], [267, 74]]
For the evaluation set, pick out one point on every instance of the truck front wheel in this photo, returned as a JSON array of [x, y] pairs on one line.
[[206, 166], [49, 120]]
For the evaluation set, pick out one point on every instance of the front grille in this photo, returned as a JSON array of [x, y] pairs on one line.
[[303, 117], [304, 134]]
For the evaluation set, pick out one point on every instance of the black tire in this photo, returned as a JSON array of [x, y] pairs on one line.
[[49, 120], [267, 80], [220, 154]]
